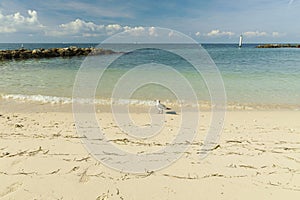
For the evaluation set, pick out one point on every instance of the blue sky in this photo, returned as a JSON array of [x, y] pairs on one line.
[[205, 21]]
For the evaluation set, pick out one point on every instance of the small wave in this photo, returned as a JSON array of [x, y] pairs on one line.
[[97, 101], [37, 98], [67, 100]]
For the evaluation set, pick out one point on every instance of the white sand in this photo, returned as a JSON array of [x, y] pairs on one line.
[[42, 157]]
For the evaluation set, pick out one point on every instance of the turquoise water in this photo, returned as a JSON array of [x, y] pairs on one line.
[[250, 75], [259, 75]]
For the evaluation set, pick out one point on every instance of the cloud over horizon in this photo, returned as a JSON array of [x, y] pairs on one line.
[[217, 33], [255, 33], [16, 22], [94, 21]]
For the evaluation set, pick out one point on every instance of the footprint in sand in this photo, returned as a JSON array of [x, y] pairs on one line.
[[10, 189]]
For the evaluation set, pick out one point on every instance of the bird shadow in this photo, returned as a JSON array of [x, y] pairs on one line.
[[171, 113]]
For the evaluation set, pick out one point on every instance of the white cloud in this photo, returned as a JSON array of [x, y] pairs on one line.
[[113, 28], [135, 31], [255, 34], [198, 34], [80, 27], [77, 27], [175, 34], [217, 33], [171, 33], [18, 23], [277, 34], [152, 32], [5, 29], [90, 35]]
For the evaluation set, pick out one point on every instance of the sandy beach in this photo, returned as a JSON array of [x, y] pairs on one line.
[[146, 100], [42, 157]]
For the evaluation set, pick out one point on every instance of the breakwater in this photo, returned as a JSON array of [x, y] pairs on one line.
[[21, 54], [278, 46]]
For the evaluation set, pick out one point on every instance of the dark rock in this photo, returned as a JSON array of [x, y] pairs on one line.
[[51, 53], [278, 46]]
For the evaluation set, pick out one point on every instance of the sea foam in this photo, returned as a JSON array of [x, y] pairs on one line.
[[68, 100]]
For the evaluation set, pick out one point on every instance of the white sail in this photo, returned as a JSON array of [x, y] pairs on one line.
[[241, 41]]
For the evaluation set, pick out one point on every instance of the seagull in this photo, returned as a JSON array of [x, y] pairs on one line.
[[161, 107]]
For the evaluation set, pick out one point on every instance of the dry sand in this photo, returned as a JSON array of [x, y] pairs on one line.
[[42, 157]]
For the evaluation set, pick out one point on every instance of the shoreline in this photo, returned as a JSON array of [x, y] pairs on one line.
[[11, 105]]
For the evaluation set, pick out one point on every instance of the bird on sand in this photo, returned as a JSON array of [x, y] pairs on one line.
[[161, 107]]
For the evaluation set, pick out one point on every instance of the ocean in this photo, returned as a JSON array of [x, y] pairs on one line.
[[250, 75]]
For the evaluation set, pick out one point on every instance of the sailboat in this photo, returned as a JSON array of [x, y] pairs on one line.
[[241, 41]]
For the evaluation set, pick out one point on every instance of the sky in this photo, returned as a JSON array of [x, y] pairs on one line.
[[206, 21]]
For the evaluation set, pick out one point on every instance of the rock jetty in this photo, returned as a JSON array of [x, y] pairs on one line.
[[21, 54], [278, 46]]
